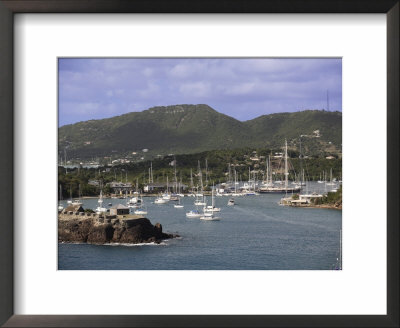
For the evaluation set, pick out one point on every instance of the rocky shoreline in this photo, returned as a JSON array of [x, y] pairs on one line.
[[95, 229]]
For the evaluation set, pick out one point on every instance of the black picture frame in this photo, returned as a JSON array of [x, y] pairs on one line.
[[10, 7]]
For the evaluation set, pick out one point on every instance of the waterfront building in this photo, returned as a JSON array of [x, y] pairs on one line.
[[119, 209]]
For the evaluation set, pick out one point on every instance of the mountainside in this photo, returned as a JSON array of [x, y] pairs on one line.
[[194, 128]]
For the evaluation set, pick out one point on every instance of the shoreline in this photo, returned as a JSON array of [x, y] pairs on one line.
[[324, 206]]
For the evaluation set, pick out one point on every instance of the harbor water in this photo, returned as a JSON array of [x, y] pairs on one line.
[[255, 234]]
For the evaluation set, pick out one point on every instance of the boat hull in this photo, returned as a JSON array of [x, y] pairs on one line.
[[279, 190]]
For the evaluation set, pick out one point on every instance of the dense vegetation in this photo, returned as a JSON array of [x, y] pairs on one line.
[[332, 198], [189, 129], [240, 160]]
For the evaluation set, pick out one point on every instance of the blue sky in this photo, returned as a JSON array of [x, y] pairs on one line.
[[241, 88]]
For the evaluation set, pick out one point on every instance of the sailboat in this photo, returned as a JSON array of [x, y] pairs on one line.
[[331, 183], [179, 205], [78, 202], [235, 184], [208, 216], [321, 180], [285, 188], [212, 208], [70, 196], [142, 210], [161, 200], [60, 206], [199, 201], [193, 214], [100, 209]]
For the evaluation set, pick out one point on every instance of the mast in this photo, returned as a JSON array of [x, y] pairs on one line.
[[175, 182], [235, 181], [191, 179], [270, 169], [200, 176], [151, 172], [149, 176], [212, 196], [206, 172], [301, 167], [286, 166]]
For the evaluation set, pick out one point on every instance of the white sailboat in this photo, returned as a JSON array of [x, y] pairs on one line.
[[193, 214], [212, 208], [209, 216], [142, 210], [236, 193], [100, 209], [285, 188], [198, 201], [179, 205], [161, 200], [321, 180], [60, 206], [331, 183], [77, 202]]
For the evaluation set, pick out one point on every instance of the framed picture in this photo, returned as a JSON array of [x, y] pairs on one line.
[[210, 72]]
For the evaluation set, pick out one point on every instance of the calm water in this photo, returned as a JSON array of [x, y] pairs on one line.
[[256, 234]]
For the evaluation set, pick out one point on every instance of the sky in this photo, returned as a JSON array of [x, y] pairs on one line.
[[244, 88]]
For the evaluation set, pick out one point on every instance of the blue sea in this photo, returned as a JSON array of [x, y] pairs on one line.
[[255, 234]]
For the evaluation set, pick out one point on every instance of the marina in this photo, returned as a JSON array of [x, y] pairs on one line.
[[255, 234]]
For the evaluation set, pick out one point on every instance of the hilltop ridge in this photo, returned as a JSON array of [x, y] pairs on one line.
[[189, 128]]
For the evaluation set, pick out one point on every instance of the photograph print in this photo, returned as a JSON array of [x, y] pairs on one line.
[[199, 164]]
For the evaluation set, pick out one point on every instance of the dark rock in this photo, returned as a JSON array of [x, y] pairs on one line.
[[90, 230]]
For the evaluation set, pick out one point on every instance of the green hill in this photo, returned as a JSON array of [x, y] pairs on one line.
[[183, 129]]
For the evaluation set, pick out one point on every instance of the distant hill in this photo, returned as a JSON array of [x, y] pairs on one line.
[[184, 129]]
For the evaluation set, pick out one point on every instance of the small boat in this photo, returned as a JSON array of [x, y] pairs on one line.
[[161, 200], [208, 217], [109, 204], [193, 214], [179, 205], [231, 202], [142, 210], [133, 200]]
